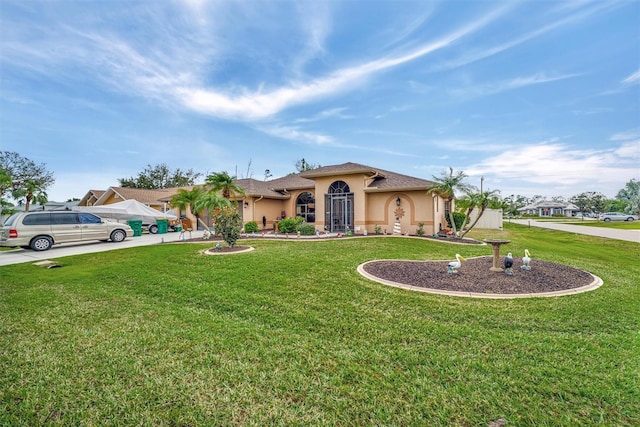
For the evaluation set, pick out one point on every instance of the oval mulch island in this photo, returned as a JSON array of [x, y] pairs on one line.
[[474, 279]]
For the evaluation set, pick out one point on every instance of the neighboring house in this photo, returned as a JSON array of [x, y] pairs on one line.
[[549, 208], [91, 198], [339, 198], [49, 206]]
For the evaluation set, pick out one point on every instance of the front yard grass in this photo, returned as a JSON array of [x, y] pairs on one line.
[[290, 334]]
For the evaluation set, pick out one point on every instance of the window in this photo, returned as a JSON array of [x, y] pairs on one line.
[[37, 219], [64, 218], [306, 207], [339, 187], [87, 218]]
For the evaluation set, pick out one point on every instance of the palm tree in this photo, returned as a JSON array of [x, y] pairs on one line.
[[446, 186], [187, 200], [211, 202], [224, 183], [31, 191], [480, 200]]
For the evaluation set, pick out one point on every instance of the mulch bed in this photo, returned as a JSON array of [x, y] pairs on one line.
[[228, 250], [475, 276]]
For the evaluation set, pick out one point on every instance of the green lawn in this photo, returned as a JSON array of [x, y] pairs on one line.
[[622, 225], [290, 334]]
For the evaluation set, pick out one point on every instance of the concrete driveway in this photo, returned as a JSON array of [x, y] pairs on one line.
[[18, 256], [609, 233]]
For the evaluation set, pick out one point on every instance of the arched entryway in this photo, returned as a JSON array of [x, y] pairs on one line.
[[306, 207], [339, 207]]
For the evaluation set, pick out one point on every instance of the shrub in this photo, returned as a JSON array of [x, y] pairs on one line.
[[251, 227], [459, 218], [307, 229], [420, 230], [229, 223], [377, 229], [287, 225]]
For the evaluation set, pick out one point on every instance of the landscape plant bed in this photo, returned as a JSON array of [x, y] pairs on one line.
[[475, 276]]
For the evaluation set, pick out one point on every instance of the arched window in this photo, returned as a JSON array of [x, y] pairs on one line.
[[306, 207], [339, 187]]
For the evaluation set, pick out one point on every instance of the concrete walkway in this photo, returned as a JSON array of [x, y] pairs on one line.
[[18, 256], [609, 233]]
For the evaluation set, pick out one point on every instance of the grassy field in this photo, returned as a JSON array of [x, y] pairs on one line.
[[290, 334]]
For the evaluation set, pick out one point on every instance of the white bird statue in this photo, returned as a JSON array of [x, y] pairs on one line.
[[526, 260], [508, 264], [453, 266]]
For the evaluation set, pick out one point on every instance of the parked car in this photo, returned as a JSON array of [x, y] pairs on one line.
[[617, 216], [41, 230]]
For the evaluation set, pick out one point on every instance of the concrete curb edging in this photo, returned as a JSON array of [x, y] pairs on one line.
[[214, 252], [597, 282]]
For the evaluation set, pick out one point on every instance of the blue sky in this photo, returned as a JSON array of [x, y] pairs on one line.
[[537, 97]]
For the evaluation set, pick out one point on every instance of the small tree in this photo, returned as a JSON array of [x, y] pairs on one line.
[[480, 201], [631, 195], [223, 183], [160, 176], [228, 223], [26, 180], [446, 186]]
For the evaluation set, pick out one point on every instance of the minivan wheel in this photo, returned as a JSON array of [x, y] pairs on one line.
[[153, 229], [118, 235], [607, 219], [41, 243]]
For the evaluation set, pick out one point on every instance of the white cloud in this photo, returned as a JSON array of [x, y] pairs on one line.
[[510, 84], [626, 135], [633, 78], [559, 165]]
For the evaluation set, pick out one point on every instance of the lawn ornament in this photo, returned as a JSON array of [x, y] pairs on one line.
[[453, 266], [508, 264], [526, 260]]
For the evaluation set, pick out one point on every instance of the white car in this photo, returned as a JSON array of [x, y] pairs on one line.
[[617, 216]]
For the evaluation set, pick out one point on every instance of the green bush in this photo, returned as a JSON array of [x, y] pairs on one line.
[[289, 225], [307, 229], [420, 230], [458, 217], [229, 223], [251, 227], [377, 229]]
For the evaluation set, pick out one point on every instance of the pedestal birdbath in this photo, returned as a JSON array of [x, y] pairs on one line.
[[496, 243]]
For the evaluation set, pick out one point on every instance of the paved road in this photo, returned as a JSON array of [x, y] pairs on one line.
[[609, 233], [18, 256]]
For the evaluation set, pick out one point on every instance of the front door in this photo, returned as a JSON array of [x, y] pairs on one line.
[[340, 213]]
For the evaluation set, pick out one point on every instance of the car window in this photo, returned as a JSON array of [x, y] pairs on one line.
[[9, 221], [64, 218], [37, 219], [87, 218]]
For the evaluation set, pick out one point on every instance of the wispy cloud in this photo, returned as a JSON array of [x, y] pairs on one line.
[[632, 79], [333, 113], [474, 55], [505, 85]]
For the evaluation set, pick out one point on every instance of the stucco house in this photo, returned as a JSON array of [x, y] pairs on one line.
[[549, 208], [338, 198]]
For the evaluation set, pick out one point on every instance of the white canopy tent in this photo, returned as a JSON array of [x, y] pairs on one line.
[[127, 210]]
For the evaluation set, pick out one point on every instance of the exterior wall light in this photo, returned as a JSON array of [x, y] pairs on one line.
[[398, 201]]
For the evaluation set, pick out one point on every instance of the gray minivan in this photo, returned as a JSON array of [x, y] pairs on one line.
[[41, 230]]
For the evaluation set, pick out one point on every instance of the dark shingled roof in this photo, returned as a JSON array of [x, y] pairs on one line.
[[382, 180]]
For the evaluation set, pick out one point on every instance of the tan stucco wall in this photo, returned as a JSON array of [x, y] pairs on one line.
[[415, 207]]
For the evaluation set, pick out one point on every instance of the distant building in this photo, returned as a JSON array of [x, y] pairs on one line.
[[550, 208]]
